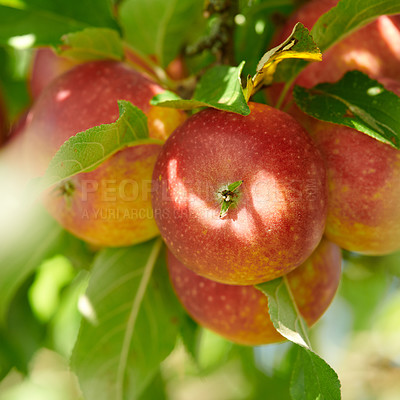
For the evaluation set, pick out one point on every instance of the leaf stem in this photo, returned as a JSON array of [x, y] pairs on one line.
[[284, 92], [147, 66]]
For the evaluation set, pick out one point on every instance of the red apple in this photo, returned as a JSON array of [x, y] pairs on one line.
[[111, 205], [373, 49], [177, 69], [46, 66], [364, 187], [280, 208], [363, 174], [240, 313]]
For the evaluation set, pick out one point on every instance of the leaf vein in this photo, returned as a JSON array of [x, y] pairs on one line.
[[148, 269]]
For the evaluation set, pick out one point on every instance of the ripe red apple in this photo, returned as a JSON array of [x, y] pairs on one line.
[[46, 66], [364, 187], [240, 313], [177, 69], [111, 205], [278, 213], [373, 49], [363, 174]]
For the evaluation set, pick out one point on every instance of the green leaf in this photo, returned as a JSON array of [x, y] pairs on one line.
[[13, 81], [213, 351], [283, 311], [16, 346], [87, 150], [298, 45], [220, 88], [348, 16], [189, 331], [312, 378], [79, 253], [355, 101], [233, 186], [51, 278], [266, 370], [335, 25], [155, 390], [159, 27], [228, 197], [224, 208], [391, 263], [93, 44], [47, 20], [64, 326], [39, 238], [132, 322]]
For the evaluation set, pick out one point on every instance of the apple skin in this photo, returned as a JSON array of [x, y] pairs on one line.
[[86, 96], [373, 49], [240, 313], [110, 206], [177, 69], [364, 187], [46, 66], [280, 215]]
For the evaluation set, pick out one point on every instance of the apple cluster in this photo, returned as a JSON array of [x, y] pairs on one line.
[[238, 200], [110, 206], [363, 174], [280, 202]]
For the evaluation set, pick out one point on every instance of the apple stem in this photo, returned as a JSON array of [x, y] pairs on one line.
[[67, 188], [228, 196]]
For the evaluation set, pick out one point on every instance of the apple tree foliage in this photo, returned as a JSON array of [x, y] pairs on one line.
[[111, 314]]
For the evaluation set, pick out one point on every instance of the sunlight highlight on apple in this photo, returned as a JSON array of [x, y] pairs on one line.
[[175, 185]]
